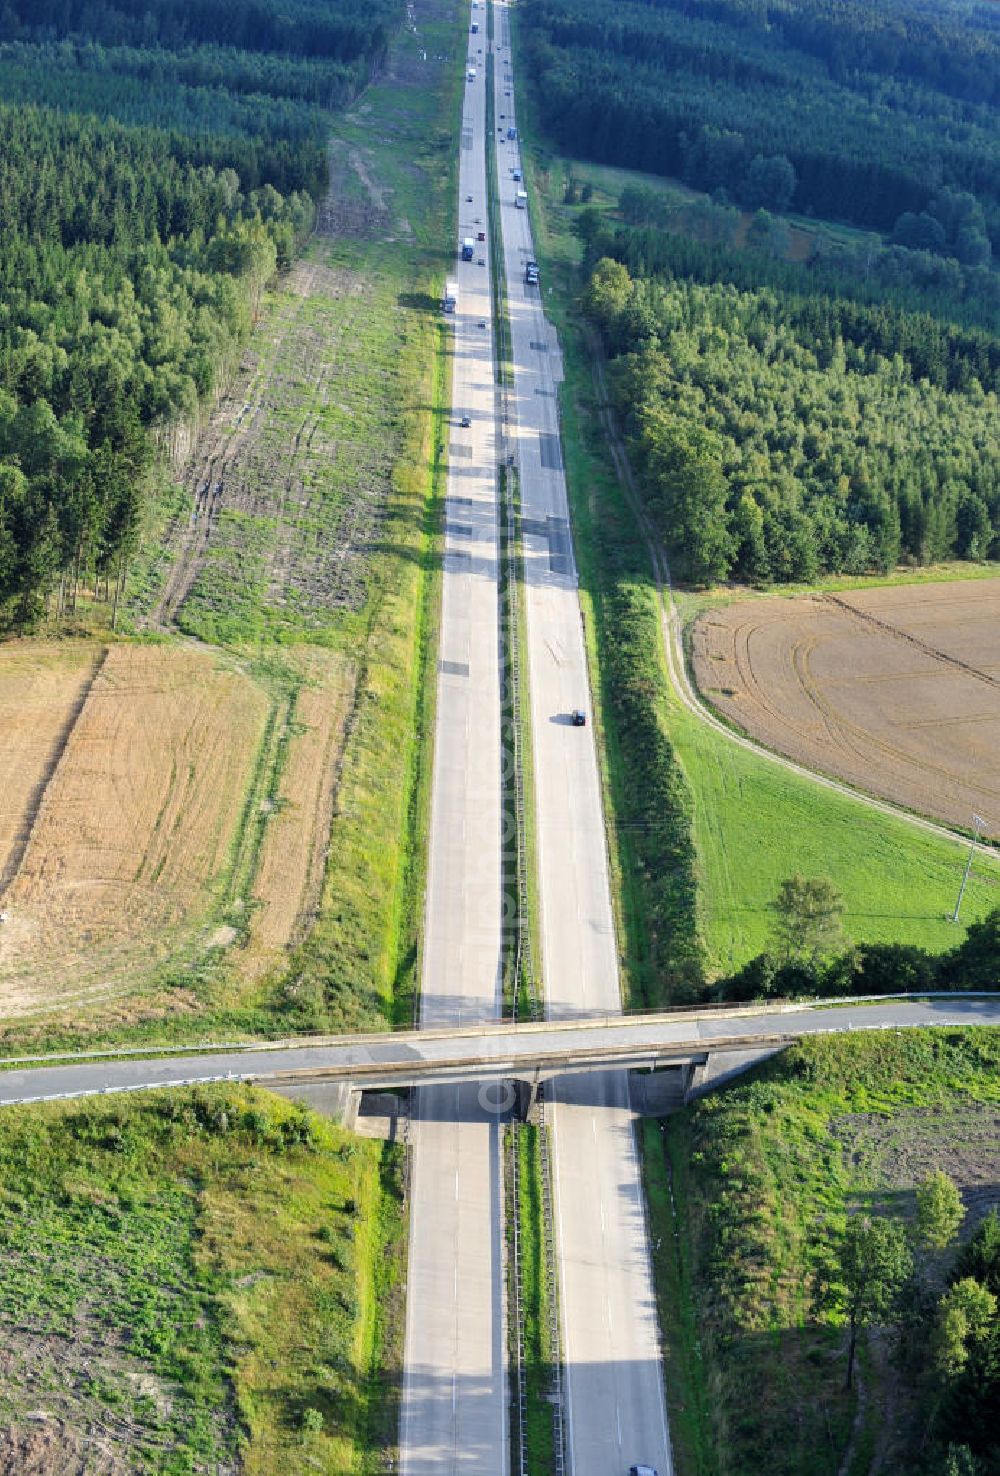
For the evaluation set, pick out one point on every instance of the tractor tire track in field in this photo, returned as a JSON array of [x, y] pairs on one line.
[[22, 839], [209, 475], [893, 631], [673, 643], [857, 741]]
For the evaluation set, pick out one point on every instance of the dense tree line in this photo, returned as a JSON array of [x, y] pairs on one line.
[[869, 968], [778, 438], [281, 100], [859, 113], [709, 242], [132, 257], [937, 1298], [307, 28]]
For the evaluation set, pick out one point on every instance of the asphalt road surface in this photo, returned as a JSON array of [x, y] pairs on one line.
[[454, 1414], [615, 1407], [490, 1053]]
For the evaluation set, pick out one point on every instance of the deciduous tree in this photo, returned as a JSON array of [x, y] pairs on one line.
[[808, 912]]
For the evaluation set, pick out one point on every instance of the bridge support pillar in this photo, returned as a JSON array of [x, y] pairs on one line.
[[722, 1066], [525, 1098]]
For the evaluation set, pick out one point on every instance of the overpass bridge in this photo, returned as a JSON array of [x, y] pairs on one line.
[[703, 1047]]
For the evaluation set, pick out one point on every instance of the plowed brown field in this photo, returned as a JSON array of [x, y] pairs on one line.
[[896, 690], [113, 859]]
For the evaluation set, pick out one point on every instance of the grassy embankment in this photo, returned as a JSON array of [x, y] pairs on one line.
[[751, 823], [195, 1277], [766, 1173], [384, 355]]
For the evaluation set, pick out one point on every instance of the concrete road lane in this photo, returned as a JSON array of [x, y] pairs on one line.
[[616, 1412], [454, 1414]]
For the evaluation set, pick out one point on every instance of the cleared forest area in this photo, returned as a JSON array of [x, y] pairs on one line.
[[286, 483]]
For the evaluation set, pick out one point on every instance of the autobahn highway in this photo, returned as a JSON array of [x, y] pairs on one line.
[[454, 1408], [614, 1397]]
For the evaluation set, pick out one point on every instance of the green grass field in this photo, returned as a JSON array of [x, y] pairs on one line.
[[201, 1276], [748, 1188], [756, 824]]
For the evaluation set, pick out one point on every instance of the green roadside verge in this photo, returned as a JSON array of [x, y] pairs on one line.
[[196, 1280], [749, 1190], [647, 802]]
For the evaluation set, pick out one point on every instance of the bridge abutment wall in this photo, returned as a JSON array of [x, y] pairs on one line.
[[720, 1067]]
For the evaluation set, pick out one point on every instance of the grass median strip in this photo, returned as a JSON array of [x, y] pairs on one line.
[[534, 1351]]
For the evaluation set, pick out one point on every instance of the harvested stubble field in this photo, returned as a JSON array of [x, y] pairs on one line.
[[42, 688], [174, 795], [119, 852], [896, 690]]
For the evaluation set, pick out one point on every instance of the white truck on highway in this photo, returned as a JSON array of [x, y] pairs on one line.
[[471, 74], [521, 199], [450, 297]]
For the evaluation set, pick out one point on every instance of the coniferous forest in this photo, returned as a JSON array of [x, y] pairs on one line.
[[158, 161], [858, 110], [779, 437], [833, 413]]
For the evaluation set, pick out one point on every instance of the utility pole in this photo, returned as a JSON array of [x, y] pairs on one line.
[[977, 826]]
